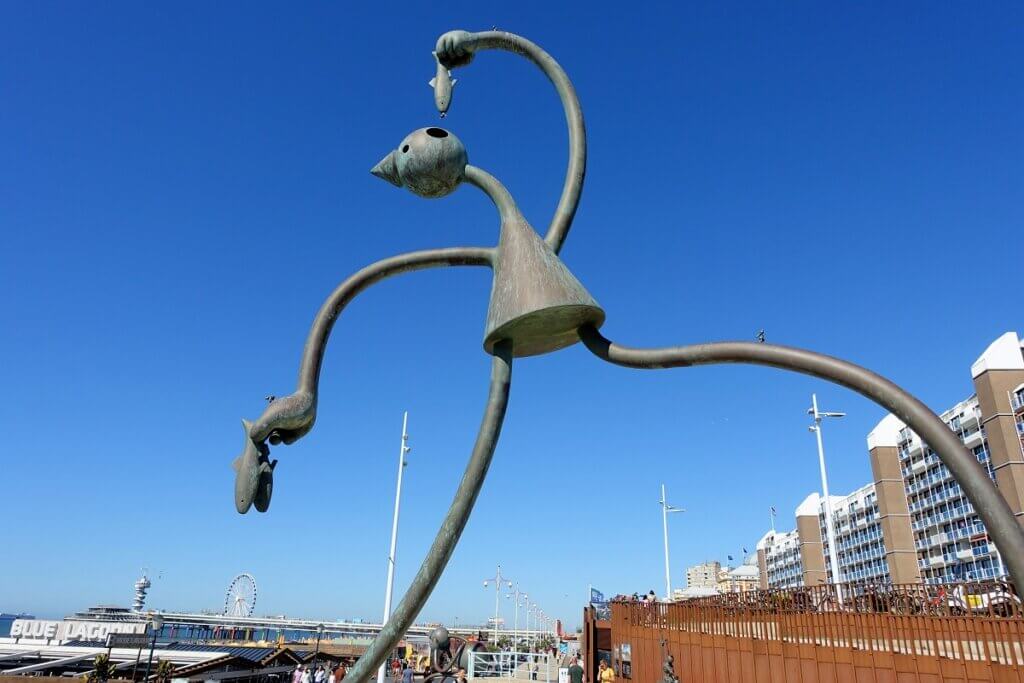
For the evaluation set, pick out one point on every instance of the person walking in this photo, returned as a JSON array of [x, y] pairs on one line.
[[605, 674], [306, 678], [575, 672], [339, 673], [297, 674], [407, 674]]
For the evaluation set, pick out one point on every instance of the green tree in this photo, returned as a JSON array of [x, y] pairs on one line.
[[102, 670], [544, 643], [164, 669]]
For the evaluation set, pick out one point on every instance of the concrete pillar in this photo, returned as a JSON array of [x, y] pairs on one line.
[[891, 492], [997, 374], [812, 550]]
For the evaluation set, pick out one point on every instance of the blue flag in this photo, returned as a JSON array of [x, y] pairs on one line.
[[602, 610]]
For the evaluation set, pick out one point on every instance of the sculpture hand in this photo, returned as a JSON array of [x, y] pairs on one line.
[[452, 49], [285, 420]]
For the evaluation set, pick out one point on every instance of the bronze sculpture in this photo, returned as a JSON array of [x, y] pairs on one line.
[[444, 663], [538, 306]]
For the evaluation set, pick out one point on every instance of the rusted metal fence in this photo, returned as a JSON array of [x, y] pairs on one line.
[[964, 632]]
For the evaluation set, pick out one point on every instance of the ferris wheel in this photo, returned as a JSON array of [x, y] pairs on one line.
[[240, 600]]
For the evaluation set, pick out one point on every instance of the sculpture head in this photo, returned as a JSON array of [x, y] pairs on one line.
[[440, 639], [429, 162]]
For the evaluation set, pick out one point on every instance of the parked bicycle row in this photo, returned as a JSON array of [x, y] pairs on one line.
[[990, 598]]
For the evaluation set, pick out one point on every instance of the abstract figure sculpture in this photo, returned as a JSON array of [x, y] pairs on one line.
[[538, 306]]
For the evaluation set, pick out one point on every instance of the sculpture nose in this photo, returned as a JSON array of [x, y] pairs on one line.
[[386, 169]]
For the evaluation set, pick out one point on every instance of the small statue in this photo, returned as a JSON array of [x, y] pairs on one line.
[[444, 663], [669, 670]]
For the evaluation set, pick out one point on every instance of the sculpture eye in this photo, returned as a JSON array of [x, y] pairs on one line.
[[405, 148]]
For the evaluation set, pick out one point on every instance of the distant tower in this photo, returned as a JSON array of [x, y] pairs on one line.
[[141, 586]]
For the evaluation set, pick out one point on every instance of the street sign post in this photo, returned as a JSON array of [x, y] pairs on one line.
[[132, 640]]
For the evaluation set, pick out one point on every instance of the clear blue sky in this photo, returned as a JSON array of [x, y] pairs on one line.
[[180, 187]]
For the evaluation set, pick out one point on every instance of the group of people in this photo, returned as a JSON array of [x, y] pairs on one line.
[[403, 670], [605, 674], [319, 674], [648, 599]]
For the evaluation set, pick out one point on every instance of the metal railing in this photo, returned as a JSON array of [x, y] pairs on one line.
[[993, 599], [976, 626], [523, 666]]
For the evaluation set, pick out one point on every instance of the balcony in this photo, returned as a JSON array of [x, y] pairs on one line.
[[969, 439]]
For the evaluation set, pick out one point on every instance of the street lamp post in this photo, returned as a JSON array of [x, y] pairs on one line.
[[837, 574], [319, 635], [526, 615], [540, 628], [402, 450], [665, 509], [514, 597], [157, 624], [533, 638], [498, 580]]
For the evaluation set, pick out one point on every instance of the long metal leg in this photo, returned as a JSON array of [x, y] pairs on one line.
[[991, 507], [451, 529]]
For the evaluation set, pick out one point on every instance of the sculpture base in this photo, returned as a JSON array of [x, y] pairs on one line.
[[544, 330]]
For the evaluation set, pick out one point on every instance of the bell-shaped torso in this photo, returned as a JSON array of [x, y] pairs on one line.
[[535, 301]]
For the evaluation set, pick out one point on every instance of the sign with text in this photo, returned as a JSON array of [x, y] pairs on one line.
[[132, 640], [41, 629]]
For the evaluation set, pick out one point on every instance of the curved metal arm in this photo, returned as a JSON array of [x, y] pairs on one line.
[[290, 417], [312, 354], [456, 48], [493, 188], [453, 524], [992, 508]]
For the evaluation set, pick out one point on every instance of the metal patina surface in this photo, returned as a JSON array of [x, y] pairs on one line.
[[538, 306], [535, 301]]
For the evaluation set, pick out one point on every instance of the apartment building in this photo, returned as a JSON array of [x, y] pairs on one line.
[[778, 558], [913, 523], [704, 575], [859, 544], [745, 577]]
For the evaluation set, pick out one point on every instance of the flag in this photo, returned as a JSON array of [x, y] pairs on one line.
[[730, 557], [773, 509], [744, 551], [600, 605]]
